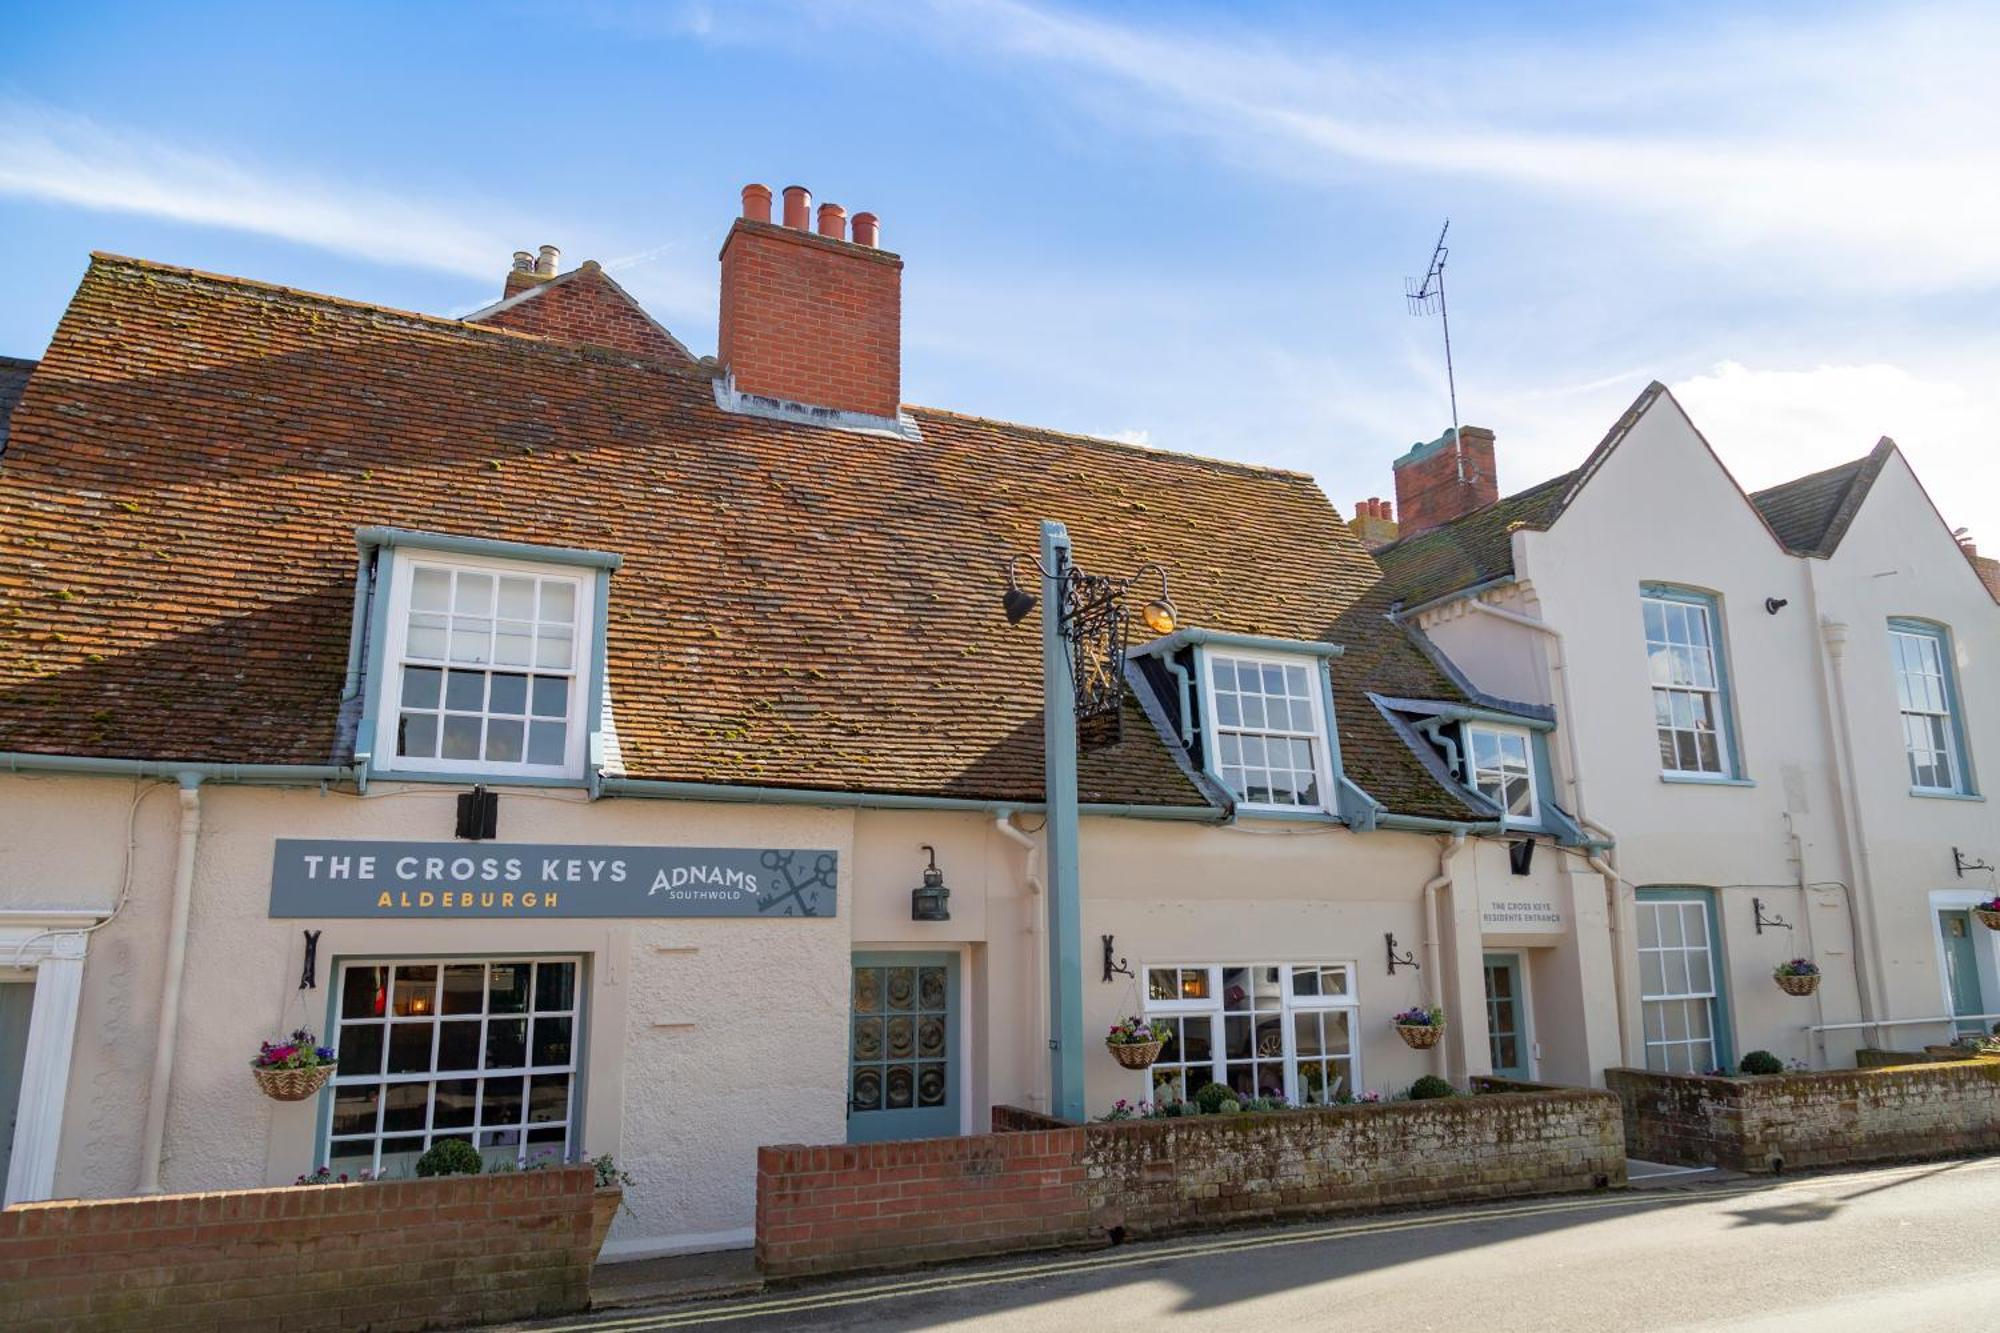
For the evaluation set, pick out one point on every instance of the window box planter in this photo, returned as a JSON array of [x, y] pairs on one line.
[[1798, 977], [1420, 1028]]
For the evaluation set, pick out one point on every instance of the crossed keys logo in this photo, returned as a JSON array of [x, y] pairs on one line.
[[796, 889]]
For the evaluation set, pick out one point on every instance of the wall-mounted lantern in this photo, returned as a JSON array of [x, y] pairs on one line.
[[932, 902]]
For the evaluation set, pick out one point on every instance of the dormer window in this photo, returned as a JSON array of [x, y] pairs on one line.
[[1269, 729], [1500, 765], [485, 667]]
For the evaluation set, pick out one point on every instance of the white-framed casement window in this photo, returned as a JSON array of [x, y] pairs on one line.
[[1500, 765], [454, 1048], [1263, 1029], [486, 667], [1269, 730], [1679, 987], [1927, 695], [1690, 684]]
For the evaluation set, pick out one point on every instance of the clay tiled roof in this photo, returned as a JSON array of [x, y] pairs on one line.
[[13, 379], [1810, 514], [798, 607], [1472, 549]]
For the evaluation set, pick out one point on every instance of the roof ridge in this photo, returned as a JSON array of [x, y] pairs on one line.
[[444, 323], [1255, 469], [1854, 463], [1515, 497]]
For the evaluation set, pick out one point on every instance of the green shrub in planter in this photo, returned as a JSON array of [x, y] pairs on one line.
[[1429, 1086], [1761, 1062], [450, 1157], [1211, 1096], [1230, 1107]]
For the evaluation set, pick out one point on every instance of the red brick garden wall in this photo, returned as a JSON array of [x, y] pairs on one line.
[[822, 1210], [396, 1255], [1839, 1117]]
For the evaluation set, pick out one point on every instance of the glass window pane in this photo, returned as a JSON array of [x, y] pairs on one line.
[[465, 691], [553, 649], [364, 992], [558, 602], [461, 737], [416, 989], [458, 1044], [464, 988], [504, 740], [417, 735], [507, 991], [360, 1048], [471, 640], [410, 1048], [354, 1108], [473, 594], [421, 686], [517, 598], [551, 696], [405, 1106], [548, 742], [548, 1097], [551, 1041], [555, 986], [455, 1104], [513, 643], [506, 1043], [430, 589], [426, 637], [500, 1100], [508, 694]]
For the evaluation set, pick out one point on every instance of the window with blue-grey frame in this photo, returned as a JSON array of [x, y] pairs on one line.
[[1927, 696], [1683, 1001], [1692, 711], [484, 657]]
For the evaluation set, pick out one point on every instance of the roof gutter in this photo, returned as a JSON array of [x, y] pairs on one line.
[[714, 791], [175, 769], [1473, 590]]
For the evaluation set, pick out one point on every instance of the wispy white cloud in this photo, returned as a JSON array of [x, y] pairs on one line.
[[61, 158], [1854, 149]]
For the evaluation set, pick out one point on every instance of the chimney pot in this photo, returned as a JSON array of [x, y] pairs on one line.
[[1388, 510], [757, 203], [867, 230], [833, 221], [523, 262], [546, 262], [798, 207]]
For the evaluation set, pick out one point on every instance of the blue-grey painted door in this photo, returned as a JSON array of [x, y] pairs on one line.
[[903, 1057], [17, 1002], [1507, 1016], [1961, 968]]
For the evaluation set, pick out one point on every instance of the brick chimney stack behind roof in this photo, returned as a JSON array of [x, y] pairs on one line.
[[1445, 479], [808, 316]]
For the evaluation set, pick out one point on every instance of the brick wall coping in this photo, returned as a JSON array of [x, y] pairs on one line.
[[1800, 1080]]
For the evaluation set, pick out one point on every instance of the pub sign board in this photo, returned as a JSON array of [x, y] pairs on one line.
[[339, 877]]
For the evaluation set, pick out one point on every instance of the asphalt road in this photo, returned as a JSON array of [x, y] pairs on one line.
[[1905, 1248]]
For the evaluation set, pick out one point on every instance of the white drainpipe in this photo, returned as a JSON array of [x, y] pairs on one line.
[[1036, 1031], [1861, 902], [1447, 849], [170, 987], [1614, 901]]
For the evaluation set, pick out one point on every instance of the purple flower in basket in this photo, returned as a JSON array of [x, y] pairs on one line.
[[301, 1051], [1423, 1016], [1797, 967]]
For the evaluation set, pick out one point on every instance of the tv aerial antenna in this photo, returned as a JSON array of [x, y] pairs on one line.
[[1427, 298]]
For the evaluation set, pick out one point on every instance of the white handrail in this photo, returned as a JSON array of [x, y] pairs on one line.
[[1902, 1022]]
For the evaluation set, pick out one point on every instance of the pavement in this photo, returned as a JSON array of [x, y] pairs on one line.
[[1888, 1250]]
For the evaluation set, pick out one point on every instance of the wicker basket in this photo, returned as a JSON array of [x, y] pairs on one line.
[[1804, 985], [1987, 917], [292, 1085], [1135, 1054], [1420, 1037]]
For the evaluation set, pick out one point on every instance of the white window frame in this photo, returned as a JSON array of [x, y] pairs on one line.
[[1710, 999], [1533, 816], [389, 691], [1935, 644], [572, 1122], [1214, 1007], [1318, 738], [1717, 692]]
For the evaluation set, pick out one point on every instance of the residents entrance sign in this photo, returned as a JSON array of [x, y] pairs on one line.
[[319, 877]]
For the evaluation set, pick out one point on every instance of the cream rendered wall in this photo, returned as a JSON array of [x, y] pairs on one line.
[[1662, 509], [706, 1037], [1899, 560]]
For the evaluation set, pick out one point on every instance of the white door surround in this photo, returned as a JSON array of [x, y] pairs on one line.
[[51, 945]]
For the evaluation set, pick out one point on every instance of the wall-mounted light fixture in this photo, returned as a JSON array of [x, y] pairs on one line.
[[478, 814], [1773, 605], [931, 902]]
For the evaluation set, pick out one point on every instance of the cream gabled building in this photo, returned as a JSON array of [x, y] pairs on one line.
[[1775, 706]]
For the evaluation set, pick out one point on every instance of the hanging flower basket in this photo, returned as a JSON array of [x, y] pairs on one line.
[[1420, 1028], [291, 1085], [1798, 977], [1134, 1044], [293, 1069], [1988, 913]]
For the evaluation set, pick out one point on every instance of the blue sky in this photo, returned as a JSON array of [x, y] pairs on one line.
[[1182, 225]]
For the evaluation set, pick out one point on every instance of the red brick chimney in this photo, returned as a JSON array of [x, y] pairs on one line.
[[1439, 481], [811, 317]]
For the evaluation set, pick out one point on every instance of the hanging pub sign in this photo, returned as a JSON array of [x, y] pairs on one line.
[[320, 877]]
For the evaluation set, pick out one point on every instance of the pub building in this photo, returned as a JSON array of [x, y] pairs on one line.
[[610, 749]]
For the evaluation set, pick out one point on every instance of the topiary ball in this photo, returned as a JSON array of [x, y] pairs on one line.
[[1211, 1097], [1429, 1086], [1761, 1062], [450, 1157], [1229, 1108]]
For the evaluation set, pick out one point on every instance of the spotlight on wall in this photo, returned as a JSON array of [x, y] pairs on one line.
[[1773, 605], [478, 814], [931, 902]]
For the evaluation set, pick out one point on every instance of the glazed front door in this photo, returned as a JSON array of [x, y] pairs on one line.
[[1507, 1016], [1961, 970], [902, 1074]]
